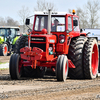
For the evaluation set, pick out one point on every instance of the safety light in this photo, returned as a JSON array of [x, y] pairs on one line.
[[73, 11]]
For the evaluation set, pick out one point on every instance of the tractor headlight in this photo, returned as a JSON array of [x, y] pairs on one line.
[[61, 38]]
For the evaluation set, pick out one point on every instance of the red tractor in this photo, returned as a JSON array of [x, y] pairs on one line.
[[57, 43]]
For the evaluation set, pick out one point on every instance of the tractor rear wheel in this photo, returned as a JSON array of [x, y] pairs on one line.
[[91, 58], [75, 54], [20, 43], [3, 50], [15, 66], [62, 68]]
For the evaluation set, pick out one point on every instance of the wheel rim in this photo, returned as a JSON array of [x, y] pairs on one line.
[[66, 70], [5, 50], [94, 59]]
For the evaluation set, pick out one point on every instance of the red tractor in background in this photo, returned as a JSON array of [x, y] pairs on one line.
[[57, 43]]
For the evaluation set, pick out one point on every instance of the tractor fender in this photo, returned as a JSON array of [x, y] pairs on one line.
[[8, 44], [92, 37], [1, 39], [5, 43], [15, 39]]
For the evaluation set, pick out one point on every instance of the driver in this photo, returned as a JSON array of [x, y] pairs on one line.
[[9, 36], [9, 32], [54, 28]]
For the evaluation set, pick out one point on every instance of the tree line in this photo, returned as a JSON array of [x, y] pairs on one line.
[[8, 21], [88, 14]]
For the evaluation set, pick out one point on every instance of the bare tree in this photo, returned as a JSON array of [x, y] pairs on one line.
[[11, 22], [8, 21], [82, 17], [2, 21], [93, 8], [88, 15], [44, 6], [23, 14]]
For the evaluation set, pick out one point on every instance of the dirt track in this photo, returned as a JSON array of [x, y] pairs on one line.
[[4, 59], [47, 88]]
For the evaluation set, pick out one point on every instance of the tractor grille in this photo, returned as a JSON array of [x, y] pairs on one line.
[[41, 46]]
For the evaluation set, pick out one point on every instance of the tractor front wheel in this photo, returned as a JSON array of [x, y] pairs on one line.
[[62, 68], [3, 49], [91, 59], [15, 66]]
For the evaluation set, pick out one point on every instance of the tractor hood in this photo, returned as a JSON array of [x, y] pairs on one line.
[[1, 39]]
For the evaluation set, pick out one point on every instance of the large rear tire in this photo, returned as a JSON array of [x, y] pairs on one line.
[[20, 43], [91, 58], [15, 66], [75, 54], [62, 68], [3, 50]]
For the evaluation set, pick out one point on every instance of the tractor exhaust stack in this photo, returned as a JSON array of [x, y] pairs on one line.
[[49, 21]]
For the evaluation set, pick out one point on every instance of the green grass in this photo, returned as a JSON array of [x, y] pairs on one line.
[[3, 63], [3, 69]]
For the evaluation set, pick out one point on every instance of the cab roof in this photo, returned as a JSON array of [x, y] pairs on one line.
[[53, 13], [9, 27]]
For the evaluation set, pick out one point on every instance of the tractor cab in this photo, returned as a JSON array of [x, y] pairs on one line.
[[57, 23], [8, 33], [60, 23]]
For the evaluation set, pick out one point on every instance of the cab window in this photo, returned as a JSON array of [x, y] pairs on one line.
[[69, 24], [40, 23]]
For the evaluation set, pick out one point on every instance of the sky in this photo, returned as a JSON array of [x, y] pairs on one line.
[[11, 7]]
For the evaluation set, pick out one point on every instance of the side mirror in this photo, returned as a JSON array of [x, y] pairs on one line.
[[75, 22], [81, 30], [27, 21]]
